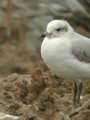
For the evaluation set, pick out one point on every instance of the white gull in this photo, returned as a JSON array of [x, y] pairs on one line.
[[67, 54]]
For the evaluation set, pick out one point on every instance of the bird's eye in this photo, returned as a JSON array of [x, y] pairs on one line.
[[58, 29]]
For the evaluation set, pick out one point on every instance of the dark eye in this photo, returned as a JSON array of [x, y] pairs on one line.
[[58, 29]]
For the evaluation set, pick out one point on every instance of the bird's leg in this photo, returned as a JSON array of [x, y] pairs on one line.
[[75, 89], [80, 86]]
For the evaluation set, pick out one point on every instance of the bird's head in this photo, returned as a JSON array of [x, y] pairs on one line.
[[57, 28]]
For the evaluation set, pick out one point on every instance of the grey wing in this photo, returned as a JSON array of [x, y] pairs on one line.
[[81, 48]]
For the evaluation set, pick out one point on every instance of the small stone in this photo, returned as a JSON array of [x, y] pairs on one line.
[[4, 116]]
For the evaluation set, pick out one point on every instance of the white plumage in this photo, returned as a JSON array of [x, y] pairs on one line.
[[66, 52]]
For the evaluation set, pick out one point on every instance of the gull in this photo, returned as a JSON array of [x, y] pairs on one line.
[[67, 54]]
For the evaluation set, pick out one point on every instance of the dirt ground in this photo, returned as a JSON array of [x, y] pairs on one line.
[[40, 96]]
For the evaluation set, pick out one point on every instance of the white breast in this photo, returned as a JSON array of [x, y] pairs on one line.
[[57, 54]]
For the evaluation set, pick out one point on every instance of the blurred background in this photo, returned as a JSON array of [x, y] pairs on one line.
[[23, 21]]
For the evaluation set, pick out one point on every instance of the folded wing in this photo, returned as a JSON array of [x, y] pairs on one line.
[[81, 48]]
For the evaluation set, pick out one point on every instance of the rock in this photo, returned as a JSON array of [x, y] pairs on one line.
[[4, 116]]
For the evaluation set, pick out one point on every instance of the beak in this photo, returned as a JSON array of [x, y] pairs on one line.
[[43, 35]]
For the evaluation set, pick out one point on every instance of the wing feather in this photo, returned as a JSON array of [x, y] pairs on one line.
[[81, 48]]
